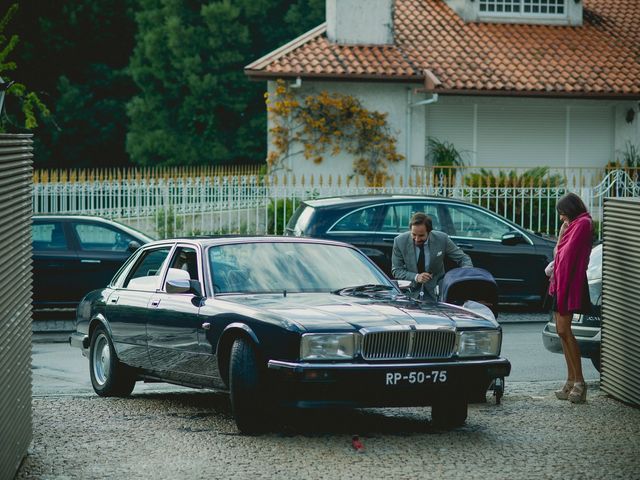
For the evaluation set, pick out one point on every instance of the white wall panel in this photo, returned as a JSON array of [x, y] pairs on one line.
[[591, 135], [523, 135], [453, 122]]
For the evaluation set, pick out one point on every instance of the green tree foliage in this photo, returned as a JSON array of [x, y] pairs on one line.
[[175, 66], [73, 54], [188, 65], [195, 105], [30, 106]]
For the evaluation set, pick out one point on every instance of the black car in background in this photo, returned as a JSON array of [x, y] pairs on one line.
[[287, 321], [73, 255], [514, 256], [586, 328]]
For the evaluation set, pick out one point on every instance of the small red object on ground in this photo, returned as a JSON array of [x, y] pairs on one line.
[[357, 444]]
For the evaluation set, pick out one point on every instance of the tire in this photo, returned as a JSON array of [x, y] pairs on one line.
[[248, 402], [449, 413], [109, 377]]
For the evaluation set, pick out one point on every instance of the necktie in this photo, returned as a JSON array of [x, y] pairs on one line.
[[421, 267]]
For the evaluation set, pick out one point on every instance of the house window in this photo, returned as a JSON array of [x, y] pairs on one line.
[[523, 7]]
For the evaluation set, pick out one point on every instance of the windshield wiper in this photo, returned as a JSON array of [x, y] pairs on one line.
[[366, 288]]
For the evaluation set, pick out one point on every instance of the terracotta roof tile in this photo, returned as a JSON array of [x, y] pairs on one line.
[[601, 57]]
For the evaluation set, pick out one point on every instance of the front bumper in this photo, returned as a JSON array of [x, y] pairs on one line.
[[381, 385], [588, 338]]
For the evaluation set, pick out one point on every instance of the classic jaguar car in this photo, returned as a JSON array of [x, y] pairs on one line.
[[284, 321]]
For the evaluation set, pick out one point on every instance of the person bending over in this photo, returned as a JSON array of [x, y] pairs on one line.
[[418, 255]]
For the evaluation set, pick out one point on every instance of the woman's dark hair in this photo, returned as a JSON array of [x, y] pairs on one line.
[[421, 218], [571, 205]]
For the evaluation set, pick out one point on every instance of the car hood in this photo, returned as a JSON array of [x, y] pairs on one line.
[[318, 312]]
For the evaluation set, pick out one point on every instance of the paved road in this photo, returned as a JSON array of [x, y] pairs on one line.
[[531, 435], [59, 369], [171, 432]]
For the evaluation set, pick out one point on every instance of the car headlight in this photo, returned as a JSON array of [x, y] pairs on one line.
[[479, 343], [327, 346]]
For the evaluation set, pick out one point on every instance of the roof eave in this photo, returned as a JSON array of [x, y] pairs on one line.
[[261, 75], [272, 56]]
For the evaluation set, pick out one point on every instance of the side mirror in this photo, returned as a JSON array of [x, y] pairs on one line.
[[178, 286], [512, 238], [133, 246]]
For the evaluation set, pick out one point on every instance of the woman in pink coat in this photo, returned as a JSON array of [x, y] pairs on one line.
[[569, 288]]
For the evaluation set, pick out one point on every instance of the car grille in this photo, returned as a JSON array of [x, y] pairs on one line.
[[408, 344]]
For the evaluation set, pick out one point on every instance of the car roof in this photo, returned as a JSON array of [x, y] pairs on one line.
[[358, 200], [93, 218], [232, 239]]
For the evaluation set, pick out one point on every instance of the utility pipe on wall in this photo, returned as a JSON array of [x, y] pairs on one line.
[[408, 125]]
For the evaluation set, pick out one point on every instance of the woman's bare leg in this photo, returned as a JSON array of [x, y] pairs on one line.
[[570, 348]]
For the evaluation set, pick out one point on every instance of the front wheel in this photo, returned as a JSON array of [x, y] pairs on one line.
[[449, 412], [248, 402], [109, 377]]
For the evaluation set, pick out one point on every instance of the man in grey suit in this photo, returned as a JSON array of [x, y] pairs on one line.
[[418, 255]]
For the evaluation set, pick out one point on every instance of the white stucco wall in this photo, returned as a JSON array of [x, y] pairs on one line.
[[507, 132], [490, 131]]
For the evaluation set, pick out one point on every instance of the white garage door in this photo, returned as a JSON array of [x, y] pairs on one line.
[[525, 132]]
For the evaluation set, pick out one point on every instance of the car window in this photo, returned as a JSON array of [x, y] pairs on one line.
[[93, 237], [362, 220], [473, 223], [284, 268], [145, 274], [48, 236], [397, 216], [186, 259]]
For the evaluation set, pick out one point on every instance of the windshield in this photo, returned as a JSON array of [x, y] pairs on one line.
[[278, 267]]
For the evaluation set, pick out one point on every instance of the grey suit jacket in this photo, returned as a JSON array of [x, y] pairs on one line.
[[404, 264]]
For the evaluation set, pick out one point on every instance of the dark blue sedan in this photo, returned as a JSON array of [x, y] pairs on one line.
[[284, 321]]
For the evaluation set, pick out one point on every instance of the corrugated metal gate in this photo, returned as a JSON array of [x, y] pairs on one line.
[[16, 175], [620, 299]]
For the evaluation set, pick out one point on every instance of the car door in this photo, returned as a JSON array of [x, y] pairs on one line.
[[128, 305], [55, 265], [174, 326], [516, 268], [101, 250]]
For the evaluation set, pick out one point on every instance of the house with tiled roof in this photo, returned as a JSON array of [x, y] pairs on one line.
[[511, 83]]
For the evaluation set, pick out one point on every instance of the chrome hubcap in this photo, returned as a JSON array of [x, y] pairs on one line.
[[101, 360]]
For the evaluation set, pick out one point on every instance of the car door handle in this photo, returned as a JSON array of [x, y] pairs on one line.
[[206, 326], [155, 302], [388, 240], [89, 260], [114, 299], [465, 245]]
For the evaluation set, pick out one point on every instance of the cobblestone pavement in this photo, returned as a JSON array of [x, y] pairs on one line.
[[191, 434]]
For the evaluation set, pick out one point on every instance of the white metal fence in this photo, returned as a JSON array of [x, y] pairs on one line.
[[167, 206]]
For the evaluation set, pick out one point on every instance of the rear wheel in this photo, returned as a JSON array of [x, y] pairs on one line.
[[449, 412], [248, 401], [109, 377]]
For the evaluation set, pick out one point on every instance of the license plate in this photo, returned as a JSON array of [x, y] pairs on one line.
[[416, 377]]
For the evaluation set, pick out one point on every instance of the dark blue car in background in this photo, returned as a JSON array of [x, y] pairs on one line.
[[515, 257]]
